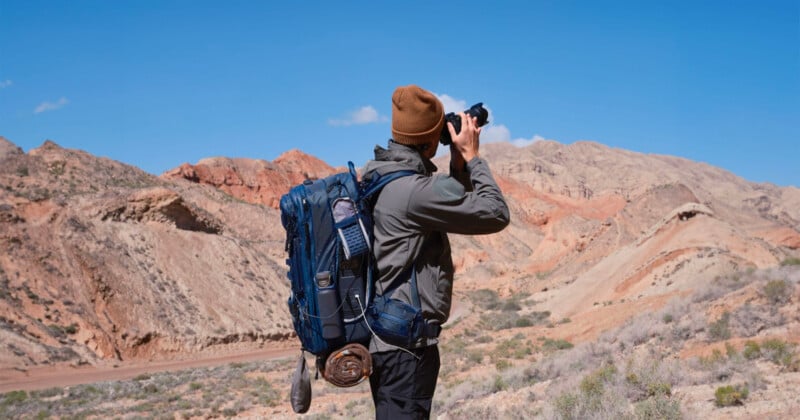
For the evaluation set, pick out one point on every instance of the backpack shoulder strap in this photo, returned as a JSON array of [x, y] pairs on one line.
[[376, 184]]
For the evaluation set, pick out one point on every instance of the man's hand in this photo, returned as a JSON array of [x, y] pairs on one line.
[[466, 143]]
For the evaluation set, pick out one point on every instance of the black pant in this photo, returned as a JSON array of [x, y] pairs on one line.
[[402, 385]]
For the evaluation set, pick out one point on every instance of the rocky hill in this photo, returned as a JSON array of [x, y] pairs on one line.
[[101, 262]]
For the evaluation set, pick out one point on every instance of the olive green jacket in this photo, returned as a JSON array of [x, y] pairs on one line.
[[412, 216]]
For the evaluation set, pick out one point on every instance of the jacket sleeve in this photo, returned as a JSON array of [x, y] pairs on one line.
[[441, 203], [462, 176]]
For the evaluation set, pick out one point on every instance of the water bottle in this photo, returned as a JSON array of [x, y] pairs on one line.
[[328, 303]]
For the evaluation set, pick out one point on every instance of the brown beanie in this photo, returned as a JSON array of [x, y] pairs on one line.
[[417, 116]]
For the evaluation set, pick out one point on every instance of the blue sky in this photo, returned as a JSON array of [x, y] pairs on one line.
[[158, 83]]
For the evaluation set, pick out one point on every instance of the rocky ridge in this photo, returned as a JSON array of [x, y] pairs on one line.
[[101, 261]]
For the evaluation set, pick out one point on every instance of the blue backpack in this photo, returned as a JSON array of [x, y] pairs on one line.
[[328, 226]]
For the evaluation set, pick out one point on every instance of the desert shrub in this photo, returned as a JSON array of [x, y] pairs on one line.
[[637, 331], [485, 298], [504, 320], [649, 377], [549, 345], [523, 322], [748, 320], [593, 385], [456, 346], [14, 397], [729, 395], [715, 357], [720, 329], [483, 339], [659, 407], [791, 261], [730, 351], [566, 406], [475, 356], [777, 351], [502, 364], [499, 384], [514, 348], [778, 291], [667, 318], [751, 350], [598, 396]]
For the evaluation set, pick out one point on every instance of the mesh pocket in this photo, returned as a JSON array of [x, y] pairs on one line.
[[354, 240], [351, 230]]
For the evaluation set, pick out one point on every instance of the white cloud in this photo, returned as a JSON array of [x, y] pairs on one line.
[[5, 83], [364, 115], [520, 142], [495, 133], [490, 133], [50, 106], [452, 104]]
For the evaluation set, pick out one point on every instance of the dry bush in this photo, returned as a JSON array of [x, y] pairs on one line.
[[720, 329], [749, 320], [210, 392], [637, 331], [777, 292], [720, 286], [605, 393], [573, 361]]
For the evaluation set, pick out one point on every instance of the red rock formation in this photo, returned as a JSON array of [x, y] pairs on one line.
[[252, 180]]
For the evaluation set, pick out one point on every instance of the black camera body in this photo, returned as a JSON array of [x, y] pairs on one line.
[[477, 111]]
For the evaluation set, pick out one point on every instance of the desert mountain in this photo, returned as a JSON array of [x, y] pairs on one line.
[[100, 261]]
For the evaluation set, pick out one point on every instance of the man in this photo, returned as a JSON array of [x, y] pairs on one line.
[[412, 217]]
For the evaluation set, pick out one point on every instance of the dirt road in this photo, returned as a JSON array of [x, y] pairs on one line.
[[48, 377]]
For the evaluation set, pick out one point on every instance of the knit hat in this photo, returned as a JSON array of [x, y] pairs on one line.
[[417, 116]]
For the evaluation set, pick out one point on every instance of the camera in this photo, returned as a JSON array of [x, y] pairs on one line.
[[477, 111]]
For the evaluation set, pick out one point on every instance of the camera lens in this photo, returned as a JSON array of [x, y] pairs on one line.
[[477, 111]]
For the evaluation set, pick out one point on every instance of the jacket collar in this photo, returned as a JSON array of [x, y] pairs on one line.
[[405, 156]]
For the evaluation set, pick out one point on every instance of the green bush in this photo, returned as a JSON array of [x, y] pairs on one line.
[[14, 397], [499, 384], [485, 298], [502, 364], [791, 261], [513, 347], [778, 291], [720, 329], [777, 351], [593, 385], [550, 345], [659, 388], [730, 351], [566, 406], [729, 395], [659, 407], [751, 350]]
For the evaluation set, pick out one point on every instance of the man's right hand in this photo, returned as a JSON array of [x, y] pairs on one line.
[[466, 143]]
